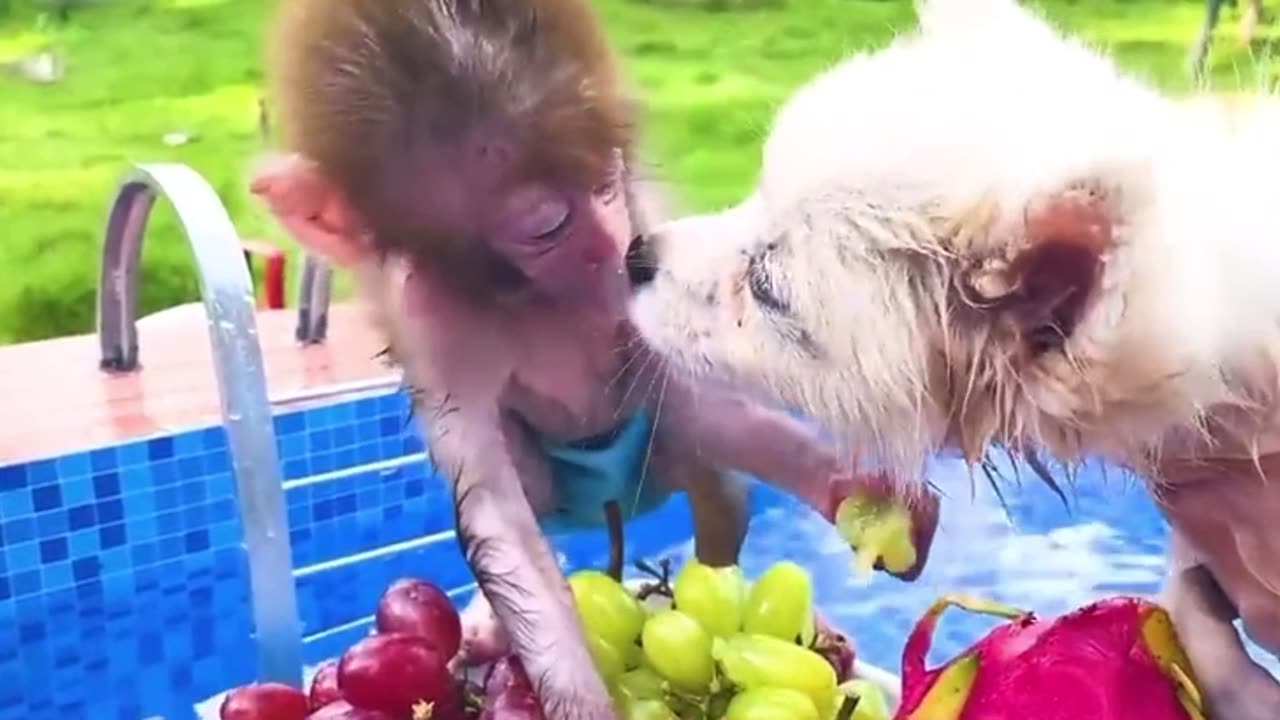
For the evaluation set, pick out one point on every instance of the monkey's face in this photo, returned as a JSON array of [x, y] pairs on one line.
[[476, 140], [482, 218], [568, 243], [959, 239]]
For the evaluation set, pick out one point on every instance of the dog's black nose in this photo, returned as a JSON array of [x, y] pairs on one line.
[[642, 266]]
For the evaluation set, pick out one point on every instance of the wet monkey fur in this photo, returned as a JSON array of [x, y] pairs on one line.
[[394, 98], [471, 163]]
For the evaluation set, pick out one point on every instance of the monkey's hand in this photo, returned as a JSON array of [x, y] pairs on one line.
[[888, 526], [484, 640], [1232, 685]]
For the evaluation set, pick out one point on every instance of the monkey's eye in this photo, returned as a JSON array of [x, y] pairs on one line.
[[546, 219]]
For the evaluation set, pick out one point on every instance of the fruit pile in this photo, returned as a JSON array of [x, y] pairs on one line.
[[709, 645], [400, 672], [706, 645]]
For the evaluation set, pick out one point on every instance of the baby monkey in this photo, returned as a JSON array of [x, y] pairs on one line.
[[471, 162], [985, 232]]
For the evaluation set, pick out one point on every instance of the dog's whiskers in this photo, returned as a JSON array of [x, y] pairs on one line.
[[648, 453], [635, 380], [621, 371], [653, 368]]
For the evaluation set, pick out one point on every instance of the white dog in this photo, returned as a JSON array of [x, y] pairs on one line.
[[986, 233]]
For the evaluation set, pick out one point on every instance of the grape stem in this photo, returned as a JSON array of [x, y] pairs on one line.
[[847, 707], [613, 521], [662, 576], [473, 696]]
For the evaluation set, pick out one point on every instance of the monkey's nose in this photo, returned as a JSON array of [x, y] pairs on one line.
[[642, 266]]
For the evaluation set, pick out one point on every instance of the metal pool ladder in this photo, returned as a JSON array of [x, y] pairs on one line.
[[226, 290], [315, 288]]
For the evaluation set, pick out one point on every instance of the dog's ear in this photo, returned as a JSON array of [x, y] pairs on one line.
[[1040, 281]]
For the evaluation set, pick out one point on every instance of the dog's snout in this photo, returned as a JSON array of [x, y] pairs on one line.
[[642, 263]]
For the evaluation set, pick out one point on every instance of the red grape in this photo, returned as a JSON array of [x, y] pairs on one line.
[[324, 685], [393, 672], [343, 710], [416, 607], [264, 701]]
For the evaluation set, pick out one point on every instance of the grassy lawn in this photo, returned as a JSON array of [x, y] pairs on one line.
[[138, 69]]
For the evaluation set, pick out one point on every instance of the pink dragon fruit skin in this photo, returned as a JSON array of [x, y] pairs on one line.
[[1096, 663]]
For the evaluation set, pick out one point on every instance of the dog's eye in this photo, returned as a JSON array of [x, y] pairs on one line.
[[761, 287]]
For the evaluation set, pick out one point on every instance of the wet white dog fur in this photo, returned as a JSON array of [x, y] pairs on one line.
[[986, 233], [892, 192]]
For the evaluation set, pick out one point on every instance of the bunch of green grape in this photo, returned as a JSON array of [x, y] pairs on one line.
[[713, 646]]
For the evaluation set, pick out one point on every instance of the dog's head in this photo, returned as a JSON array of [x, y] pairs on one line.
[[970, 235]]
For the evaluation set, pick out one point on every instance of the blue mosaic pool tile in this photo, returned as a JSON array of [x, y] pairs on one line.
[[46, 497], [14, 477], [135, 549], [343, 594], [120, 518], [73, 465], [77, 490]]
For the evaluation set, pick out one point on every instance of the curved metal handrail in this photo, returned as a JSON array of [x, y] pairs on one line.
[[227, 292], [315, 288]]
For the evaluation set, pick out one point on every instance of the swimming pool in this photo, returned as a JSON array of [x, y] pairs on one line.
[[124, 594]]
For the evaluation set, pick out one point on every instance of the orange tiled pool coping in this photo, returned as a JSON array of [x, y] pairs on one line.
[[53, 397]]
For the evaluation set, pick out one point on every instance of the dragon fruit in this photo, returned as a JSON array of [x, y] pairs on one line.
[[1116, 659]]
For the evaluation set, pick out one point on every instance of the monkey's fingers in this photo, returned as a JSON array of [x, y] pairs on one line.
[[484, 640]]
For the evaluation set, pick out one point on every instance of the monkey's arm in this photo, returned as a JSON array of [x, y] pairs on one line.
[[459, 368], [727, 429], [514, 566], [1233, 685]]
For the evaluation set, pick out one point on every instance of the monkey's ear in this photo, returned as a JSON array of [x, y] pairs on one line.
[[1043, 280], [313, 209]]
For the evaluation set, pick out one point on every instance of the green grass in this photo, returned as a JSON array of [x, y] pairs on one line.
[[138, 69]]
